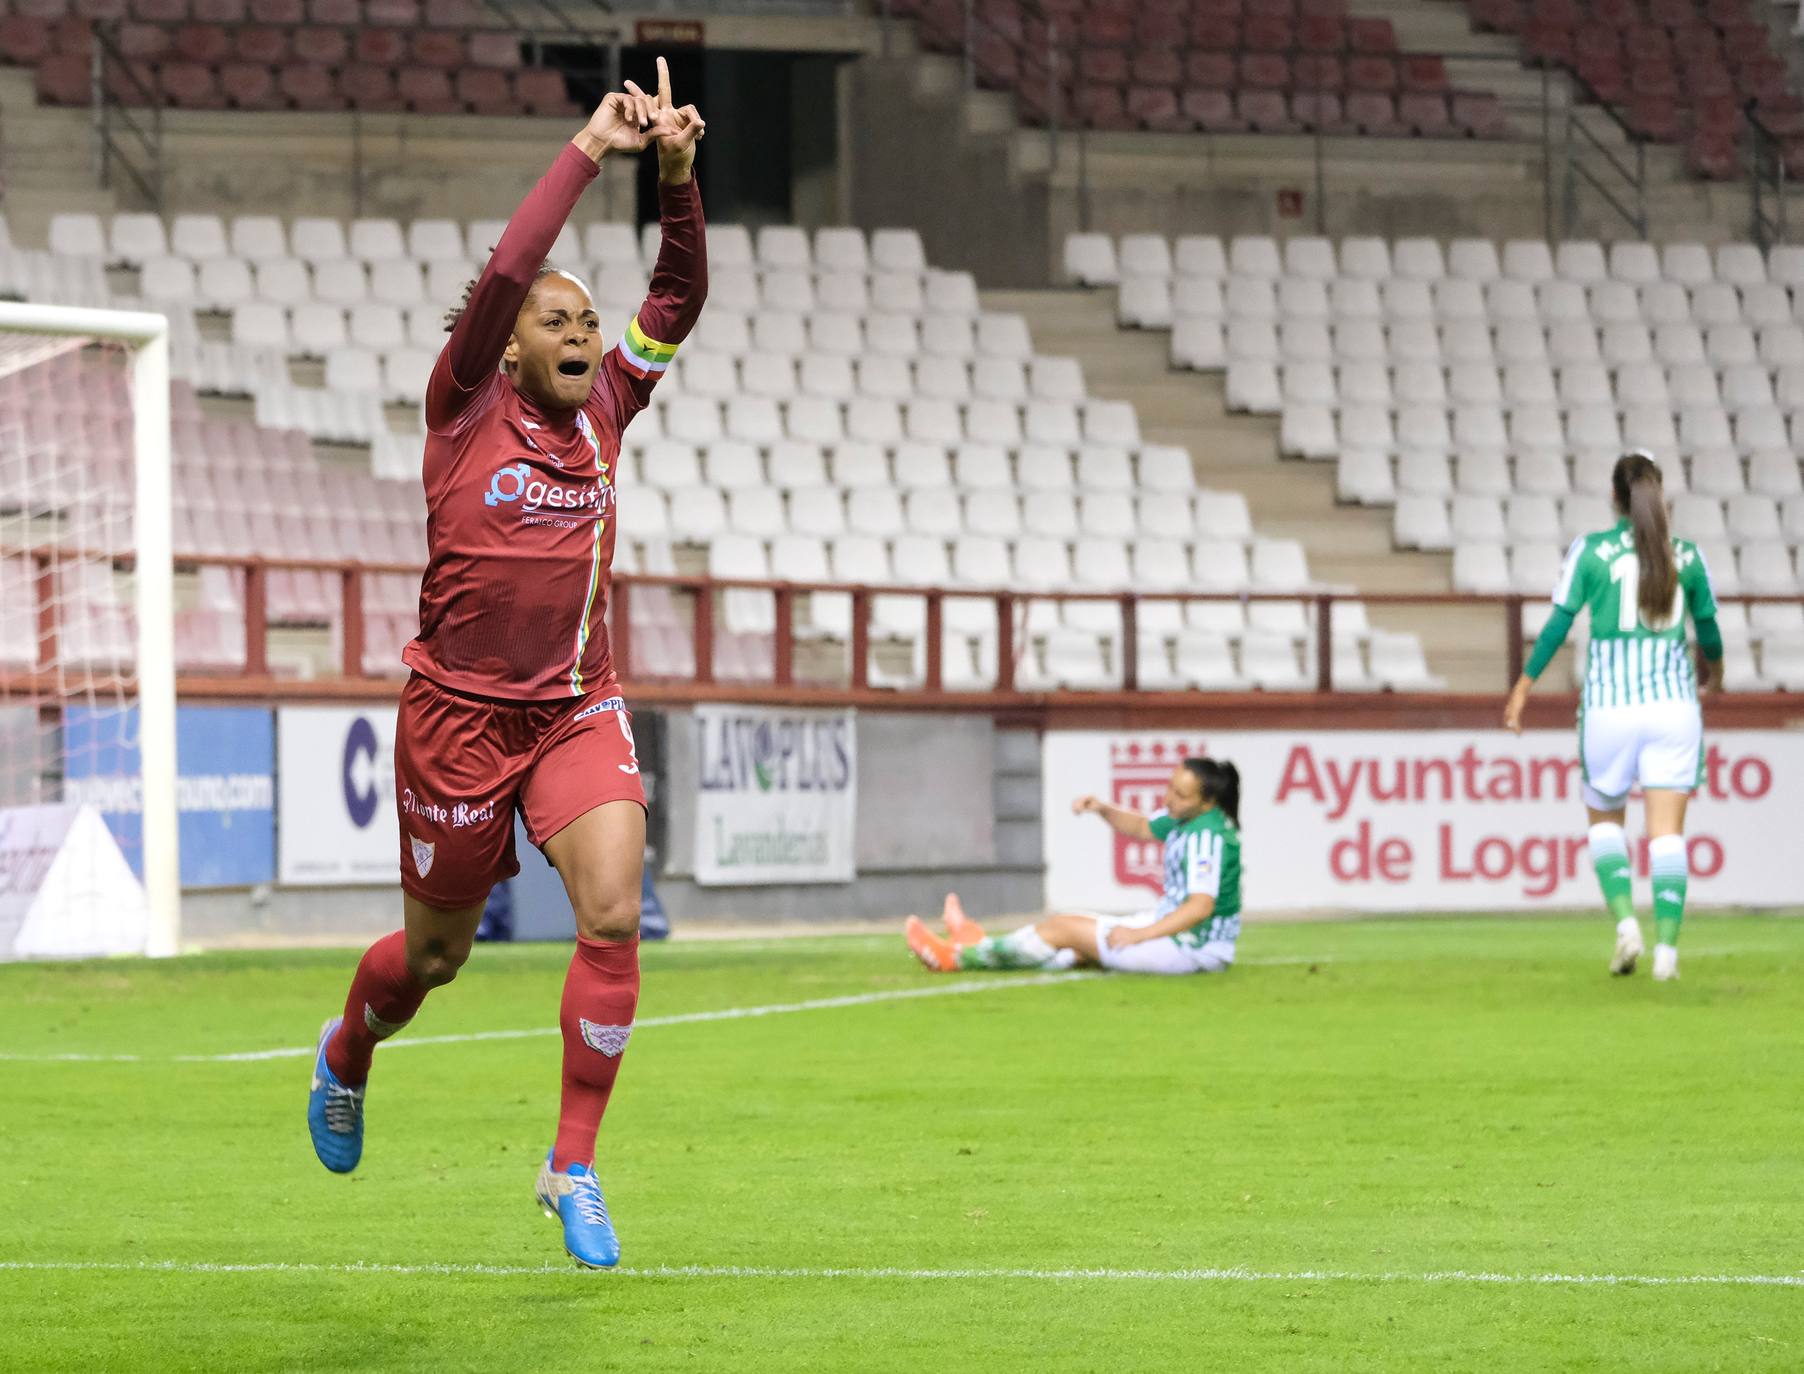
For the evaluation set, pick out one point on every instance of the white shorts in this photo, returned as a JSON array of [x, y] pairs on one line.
[[1159, 956], [1655, 744]]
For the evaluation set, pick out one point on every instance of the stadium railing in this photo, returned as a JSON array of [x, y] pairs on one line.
[[704, 593]]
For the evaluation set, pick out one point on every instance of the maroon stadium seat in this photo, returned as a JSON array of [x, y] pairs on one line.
[[250, 86], [1480, 114], [1212, 111], [278, 11], [1312, 111], [160, 11], [1158, 67], [1160, 29], [1420, 73], [308, 87], [427, 90], [1156, 107], [1713, 158], [261, 43], [1103, 107], [207, 44], [484, 91], [1283, 8], [1215, 32], [369, 87], [1716, 117], [1655, 117], [101, 9], [1318, 33], [1373, 113], [433, 47], [1606, 77], [400, 14], [1210, 70], [1623, 14], [217, 11], [1672, 14], [1107, 29], [1794, 159], [1371, 36], [380, 47], [1103, 66], [494, 50], [541, 91], [1378, 74], [1268, 33], [998, 64], [1545, 42], [320, 47], [62, 78], [1265, 112], [1265, 71], [1319, 72], [25, 39], [453, 14], [189, 86], [1322, 9], [1426, 113], [1499, 16], [334, 11]]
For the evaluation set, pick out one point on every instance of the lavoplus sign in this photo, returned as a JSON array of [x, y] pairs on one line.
[[1415, 820], [776, 796]]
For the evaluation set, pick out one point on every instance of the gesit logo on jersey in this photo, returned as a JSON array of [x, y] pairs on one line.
[[552, 498], [1137, 776]]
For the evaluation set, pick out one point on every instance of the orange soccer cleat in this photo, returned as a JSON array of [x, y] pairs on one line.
[[935, 953], [960, 928]]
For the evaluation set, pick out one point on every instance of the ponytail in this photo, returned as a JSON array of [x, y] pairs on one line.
[[1220, 782], [1641, 496]]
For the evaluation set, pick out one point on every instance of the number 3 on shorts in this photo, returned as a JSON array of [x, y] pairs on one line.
[[631, 766]]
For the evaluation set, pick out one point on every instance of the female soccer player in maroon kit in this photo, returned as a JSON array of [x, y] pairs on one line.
[[513, 701]]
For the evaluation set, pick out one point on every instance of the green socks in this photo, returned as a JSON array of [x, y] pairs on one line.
[[1610, 857], [1022, 949], [1666, 859]]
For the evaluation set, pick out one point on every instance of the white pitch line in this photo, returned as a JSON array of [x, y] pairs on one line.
[[1085, 1275], [687, 1018]]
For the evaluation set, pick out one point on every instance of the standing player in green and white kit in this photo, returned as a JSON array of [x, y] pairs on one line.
[[1191, 930], [1639, 720]]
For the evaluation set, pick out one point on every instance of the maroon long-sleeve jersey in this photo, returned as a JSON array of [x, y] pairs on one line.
[[520, 507]]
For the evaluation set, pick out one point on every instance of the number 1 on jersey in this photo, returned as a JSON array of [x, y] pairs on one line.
[[1626, 571]]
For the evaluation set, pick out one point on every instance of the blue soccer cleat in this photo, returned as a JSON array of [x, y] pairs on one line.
[[574, 1198], [334, 1112]]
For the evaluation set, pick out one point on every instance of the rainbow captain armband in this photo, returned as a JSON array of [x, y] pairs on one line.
[[643, 355]]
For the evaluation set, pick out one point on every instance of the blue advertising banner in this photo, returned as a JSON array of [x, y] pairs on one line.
[[225, 787]]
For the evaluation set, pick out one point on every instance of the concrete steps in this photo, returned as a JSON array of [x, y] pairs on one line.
[[1289, 499]]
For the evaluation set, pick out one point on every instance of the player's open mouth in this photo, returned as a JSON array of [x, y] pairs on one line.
[[573, 367]]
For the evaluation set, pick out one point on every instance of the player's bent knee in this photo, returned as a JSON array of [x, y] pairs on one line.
[[435, 968], [609, 918]]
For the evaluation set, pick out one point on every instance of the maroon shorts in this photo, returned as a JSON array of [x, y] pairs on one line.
[[463, 765]]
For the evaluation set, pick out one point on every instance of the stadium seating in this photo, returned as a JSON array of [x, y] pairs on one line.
[[1483, 393], [436, 57], [1675, 70], [1219, 68], [897, 434]]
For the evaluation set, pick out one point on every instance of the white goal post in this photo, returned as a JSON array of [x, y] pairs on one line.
[[30, 332]]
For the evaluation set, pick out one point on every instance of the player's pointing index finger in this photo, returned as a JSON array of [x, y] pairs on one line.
[[663, 84]]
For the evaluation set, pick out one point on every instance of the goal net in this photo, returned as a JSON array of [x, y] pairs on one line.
[[88, 806]]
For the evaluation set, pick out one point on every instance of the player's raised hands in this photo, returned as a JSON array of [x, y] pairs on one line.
[[679, 127], [625, 122]]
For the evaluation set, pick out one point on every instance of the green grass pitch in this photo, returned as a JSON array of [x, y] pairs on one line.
[[1372, 1146]]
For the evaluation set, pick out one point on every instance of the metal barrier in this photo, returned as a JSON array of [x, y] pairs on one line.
[[124, 141], [1766, 183], [1011, 606]]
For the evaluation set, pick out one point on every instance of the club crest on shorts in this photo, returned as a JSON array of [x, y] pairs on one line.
[[610, 1040], [422, 856]]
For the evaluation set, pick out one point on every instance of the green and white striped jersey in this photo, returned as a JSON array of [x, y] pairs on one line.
[[1202, 854], [1632, 661]]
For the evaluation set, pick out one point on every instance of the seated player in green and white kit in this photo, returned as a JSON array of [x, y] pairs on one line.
[[1191, 930], [1639, 720]]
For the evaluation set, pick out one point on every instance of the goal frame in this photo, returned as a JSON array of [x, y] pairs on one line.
[[146, 338]]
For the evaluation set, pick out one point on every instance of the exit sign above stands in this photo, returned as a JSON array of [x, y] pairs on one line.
[[670, 33]]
